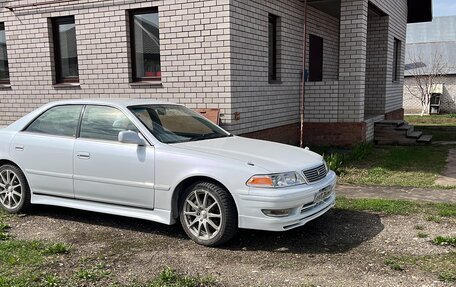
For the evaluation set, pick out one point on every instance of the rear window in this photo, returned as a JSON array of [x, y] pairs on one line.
[[59, 121]]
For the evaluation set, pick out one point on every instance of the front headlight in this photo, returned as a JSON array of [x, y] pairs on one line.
[[276, 180]]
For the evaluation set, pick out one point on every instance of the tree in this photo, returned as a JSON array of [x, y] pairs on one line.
[[425, 73]]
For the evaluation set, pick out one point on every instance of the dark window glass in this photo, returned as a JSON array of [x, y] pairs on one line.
[[65, 50], [396, 60], [145, 45], [60, 121], [4, 71], [104, 123], [272, 47], [315, 58], [174, 123]]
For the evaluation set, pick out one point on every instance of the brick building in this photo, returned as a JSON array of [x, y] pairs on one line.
[[244, 57], [430, 43]]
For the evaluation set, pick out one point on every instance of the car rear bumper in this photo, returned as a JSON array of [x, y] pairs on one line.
[[299, 200]]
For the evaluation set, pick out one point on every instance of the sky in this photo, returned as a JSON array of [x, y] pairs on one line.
[[444, 7]]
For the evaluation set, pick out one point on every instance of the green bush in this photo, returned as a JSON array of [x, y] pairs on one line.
[[361, 151], [335, 162]]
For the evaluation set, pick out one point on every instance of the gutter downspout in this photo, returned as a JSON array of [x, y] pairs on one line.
[[303, 82]]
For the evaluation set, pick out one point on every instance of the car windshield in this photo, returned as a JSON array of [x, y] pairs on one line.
[[176, 124]]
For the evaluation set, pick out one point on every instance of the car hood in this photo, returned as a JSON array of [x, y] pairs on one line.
[[273, 157]]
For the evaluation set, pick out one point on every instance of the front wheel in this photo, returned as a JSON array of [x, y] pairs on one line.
[[208, 214], [14, 190]]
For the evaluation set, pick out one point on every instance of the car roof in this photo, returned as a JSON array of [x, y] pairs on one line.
[[113, 102]]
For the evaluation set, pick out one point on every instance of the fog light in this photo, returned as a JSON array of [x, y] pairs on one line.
[[277, 212]]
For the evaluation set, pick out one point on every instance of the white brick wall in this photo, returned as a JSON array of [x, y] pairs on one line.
[[263, 105], [377, 64], [412, 105], [397, 11], [195, 54], [327, 27], [214, 54]]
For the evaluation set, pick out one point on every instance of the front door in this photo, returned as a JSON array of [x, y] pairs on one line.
[[106, 170]]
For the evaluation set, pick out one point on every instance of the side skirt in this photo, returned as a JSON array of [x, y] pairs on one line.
[[157, 215]]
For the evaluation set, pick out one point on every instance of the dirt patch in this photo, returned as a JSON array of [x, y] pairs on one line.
[[342, 248], [448, 178]]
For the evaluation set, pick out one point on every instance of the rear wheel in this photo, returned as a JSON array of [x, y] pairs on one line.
[[14, 190], [208, 214]]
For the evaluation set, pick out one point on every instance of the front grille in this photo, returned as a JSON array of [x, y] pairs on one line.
[[315, 174]]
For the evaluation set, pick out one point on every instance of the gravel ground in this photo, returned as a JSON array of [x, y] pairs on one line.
[[342, 248]]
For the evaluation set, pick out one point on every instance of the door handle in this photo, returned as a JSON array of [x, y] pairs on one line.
[[19, 148], [83, 155]]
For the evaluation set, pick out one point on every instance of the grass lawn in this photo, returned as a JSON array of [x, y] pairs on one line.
[[37, 263], [417, 166], [432, 120], [398, 207]]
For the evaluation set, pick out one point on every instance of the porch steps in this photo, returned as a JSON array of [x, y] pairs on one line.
[[398, 132]]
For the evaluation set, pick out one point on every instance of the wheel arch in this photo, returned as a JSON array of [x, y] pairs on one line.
[[4, 161], [180, 188]]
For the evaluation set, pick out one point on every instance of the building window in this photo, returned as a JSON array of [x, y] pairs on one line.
[[145, 45], [396, 60], [4, 71], [65, 50], [273, 47], [315, 58]]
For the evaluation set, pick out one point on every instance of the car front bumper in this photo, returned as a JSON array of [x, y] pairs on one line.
[[299, 199]]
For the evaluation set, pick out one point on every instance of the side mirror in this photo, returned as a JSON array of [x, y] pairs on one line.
[[130, 137]]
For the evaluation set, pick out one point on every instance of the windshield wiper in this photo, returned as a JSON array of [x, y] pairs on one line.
[[209, 136]]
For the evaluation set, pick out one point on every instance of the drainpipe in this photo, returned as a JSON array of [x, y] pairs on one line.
[[303, 82]]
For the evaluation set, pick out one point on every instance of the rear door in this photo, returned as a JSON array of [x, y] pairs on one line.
[[106, 170], [44, 150]]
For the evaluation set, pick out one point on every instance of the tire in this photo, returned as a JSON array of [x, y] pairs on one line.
[[14, 189], [208, 214]]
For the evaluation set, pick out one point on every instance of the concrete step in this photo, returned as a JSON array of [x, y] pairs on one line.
[[415, 135], [394, 123], [404, 127], [424, 139]]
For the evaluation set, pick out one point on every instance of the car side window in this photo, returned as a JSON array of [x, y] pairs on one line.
[[59, 121], [104, 123]]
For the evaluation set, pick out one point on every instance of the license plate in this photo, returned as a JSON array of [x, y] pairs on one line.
[[323, 194]]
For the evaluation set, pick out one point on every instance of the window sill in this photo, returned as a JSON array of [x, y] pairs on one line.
[[5, 86], [275, 82], [66, 85], [155, 84]]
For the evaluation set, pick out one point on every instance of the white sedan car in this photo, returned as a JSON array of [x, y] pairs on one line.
[[161, 162]]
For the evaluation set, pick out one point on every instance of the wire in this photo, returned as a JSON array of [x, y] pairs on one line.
[[11, 8]]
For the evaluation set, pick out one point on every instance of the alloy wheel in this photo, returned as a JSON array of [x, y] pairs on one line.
[[202, 213], [11, 190]]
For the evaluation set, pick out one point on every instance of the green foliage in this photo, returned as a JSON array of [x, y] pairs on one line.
[[394, 207], [56, 248], [398, 166], [432, 120], [447, 276], [170, 278], [442, 240], [442, 265], [394, 265], [335, 162], [361, 151], [422, 235]]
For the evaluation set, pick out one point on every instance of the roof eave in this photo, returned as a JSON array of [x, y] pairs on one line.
[[419, 11]]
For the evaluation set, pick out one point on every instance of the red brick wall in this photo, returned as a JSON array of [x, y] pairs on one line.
[[334, 134], [395, 115], [322, 134], [288, 134]]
